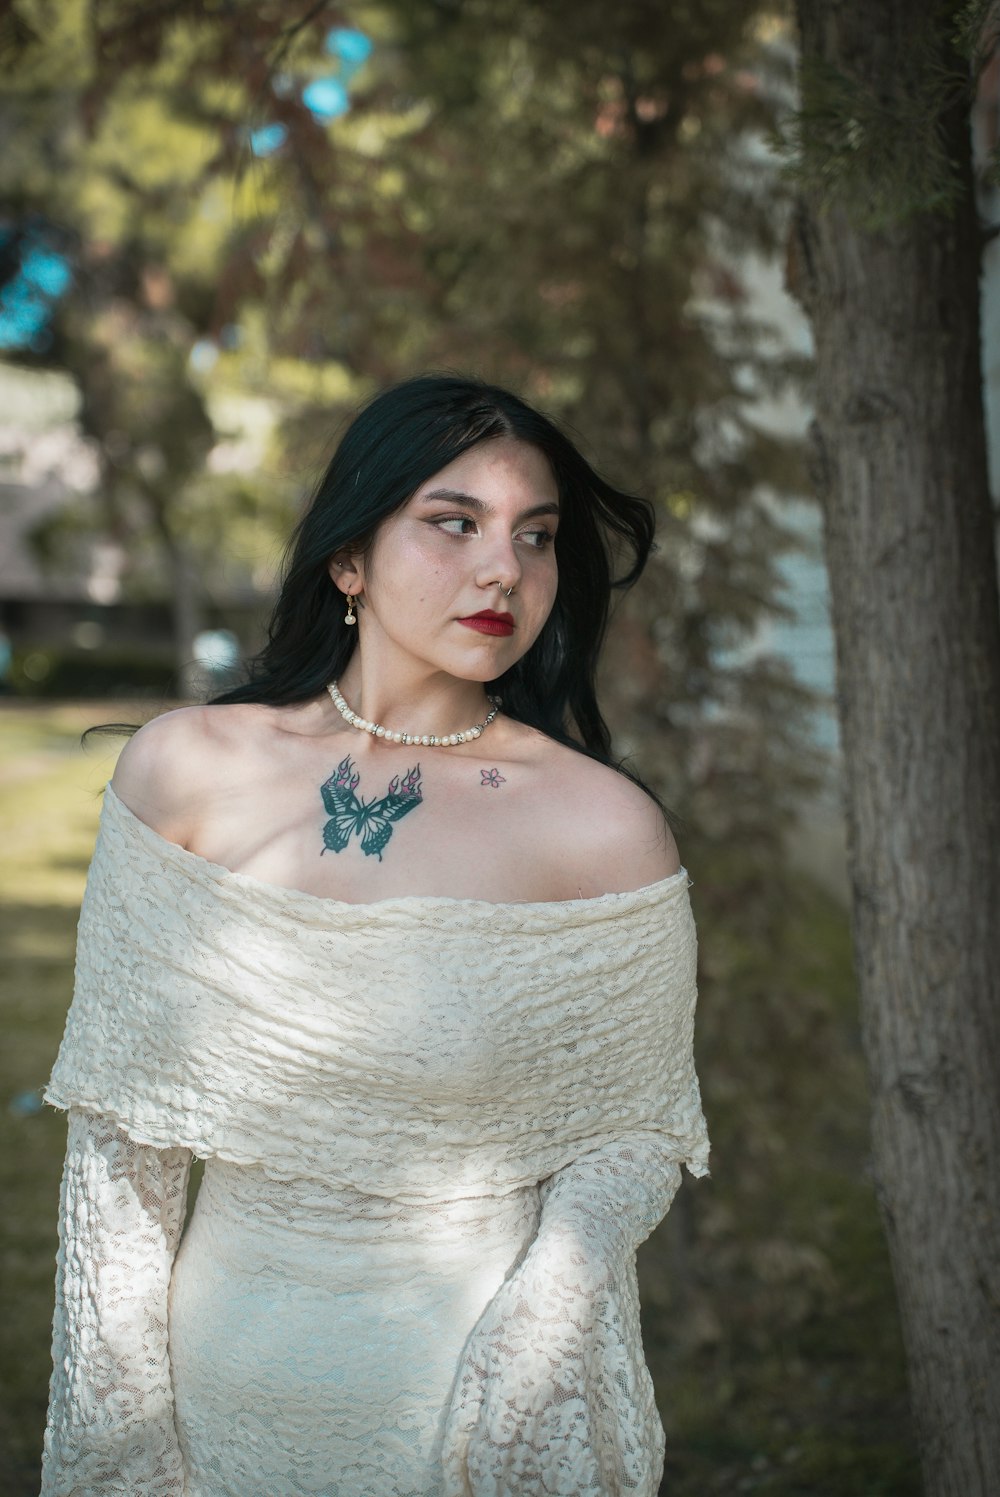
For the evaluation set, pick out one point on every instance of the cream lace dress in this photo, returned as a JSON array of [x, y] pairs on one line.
[[435, 1131]]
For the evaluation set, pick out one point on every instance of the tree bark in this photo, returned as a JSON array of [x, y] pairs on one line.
[[900, 467]]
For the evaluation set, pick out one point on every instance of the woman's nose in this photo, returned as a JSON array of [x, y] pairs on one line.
[[502, 568]]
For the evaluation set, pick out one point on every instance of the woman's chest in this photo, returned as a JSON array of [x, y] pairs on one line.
[[381, 829]]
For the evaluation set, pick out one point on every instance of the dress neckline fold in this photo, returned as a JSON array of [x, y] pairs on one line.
[[200, 868]]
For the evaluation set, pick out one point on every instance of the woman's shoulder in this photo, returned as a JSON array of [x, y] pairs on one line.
[[176, 761], [605, 821]]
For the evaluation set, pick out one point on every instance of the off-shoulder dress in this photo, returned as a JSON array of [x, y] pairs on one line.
[[435, 1131]]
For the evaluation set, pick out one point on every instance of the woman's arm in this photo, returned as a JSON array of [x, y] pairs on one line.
[[553, 1394], [110, 1425]]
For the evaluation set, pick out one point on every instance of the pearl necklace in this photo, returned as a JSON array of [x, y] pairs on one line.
[[426, 740]]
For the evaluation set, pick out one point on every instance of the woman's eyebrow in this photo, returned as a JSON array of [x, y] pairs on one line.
[[480, 506]]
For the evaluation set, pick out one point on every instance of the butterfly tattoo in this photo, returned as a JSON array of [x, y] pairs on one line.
[[371, 820]]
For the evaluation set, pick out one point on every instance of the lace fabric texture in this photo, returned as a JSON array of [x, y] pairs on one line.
[[111, 1420], [553, 1393], [435, 1130]]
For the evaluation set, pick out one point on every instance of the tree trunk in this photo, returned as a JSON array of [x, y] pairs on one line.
[[901, 471], [185, 612], [185, 605]]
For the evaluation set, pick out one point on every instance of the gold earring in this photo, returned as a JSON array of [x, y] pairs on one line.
[[349, 617]]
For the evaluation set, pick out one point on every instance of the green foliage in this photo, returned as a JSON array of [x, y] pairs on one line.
[[126, 127], [878, 142], [886, 158], [975, 32]]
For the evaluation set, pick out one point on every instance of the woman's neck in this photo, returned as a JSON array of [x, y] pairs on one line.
[[428, 702]]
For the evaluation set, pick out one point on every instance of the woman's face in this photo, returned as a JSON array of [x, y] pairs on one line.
[[483, 524]]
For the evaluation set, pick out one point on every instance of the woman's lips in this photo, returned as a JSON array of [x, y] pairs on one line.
[[489, 623]]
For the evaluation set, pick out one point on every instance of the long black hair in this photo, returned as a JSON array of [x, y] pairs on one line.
[[398, 440]]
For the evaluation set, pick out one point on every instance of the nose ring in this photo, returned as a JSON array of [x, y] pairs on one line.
[[506, 592]]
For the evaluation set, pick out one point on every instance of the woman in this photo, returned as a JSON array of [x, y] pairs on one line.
[[385, 938]]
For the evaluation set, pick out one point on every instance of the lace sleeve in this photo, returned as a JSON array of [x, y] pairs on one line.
[[553, 1395], [110, 1424]]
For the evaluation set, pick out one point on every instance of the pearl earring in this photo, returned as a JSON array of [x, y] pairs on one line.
[[349, 617]]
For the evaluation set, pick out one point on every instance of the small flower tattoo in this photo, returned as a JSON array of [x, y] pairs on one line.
[[492, 777]]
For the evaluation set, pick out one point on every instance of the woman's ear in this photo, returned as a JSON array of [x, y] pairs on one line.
[[345, 571]]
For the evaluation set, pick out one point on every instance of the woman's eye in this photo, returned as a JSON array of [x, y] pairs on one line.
[[458, 520], [538, 538], [452, 525]]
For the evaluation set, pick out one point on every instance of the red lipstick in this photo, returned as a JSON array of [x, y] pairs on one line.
[[489, 622]]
